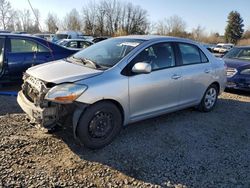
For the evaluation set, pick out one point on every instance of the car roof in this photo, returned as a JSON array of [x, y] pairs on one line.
[[75, 40], [18, 35], [157, 38], [242, 46]]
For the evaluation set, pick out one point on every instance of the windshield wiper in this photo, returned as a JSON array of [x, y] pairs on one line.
[[85, 61]]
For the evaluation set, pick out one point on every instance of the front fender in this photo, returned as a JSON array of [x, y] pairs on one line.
[[76, 117]]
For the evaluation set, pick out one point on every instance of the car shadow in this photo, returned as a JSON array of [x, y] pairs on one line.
[[11, 87], [9, 105], [184, 147], [238, 92], [8, 99]]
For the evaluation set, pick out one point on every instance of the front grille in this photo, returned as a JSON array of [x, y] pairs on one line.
[[34, 90], [231, 72]]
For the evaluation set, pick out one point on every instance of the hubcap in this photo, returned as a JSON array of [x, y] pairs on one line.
[[101, 125], [210, 98]]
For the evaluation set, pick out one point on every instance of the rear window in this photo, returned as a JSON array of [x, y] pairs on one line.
[[191, 54], [22, 45]]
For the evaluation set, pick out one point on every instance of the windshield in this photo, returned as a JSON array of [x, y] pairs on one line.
[[109, 52], [239, 53], [218, 46]]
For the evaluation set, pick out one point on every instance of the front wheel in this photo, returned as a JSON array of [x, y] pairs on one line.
[[209, 99], [99, 125]]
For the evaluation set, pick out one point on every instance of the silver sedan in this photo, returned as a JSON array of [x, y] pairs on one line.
[[119, 81]]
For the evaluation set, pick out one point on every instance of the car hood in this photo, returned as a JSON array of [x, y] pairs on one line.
[[236, 63], [61, 71]]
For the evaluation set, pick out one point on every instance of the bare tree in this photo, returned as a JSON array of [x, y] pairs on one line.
[[174, 26], [90, 16], [25, 19], [18, 23], [6, 14], [135, 20], [72, 20], [112, 17], [198, 33], [36, 26], [100, 20], [52, 22], [162, 27]]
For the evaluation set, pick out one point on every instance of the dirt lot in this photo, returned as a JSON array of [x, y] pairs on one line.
[[183, 149]]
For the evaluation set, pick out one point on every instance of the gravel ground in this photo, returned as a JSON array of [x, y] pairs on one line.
[[182, 149]]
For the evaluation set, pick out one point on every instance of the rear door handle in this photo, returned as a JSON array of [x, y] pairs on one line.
[[176, 76]]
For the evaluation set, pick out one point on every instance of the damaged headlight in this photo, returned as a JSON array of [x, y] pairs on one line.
[[65, 93]]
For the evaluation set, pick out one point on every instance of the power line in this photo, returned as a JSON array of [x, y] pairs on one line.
[[36, 16]]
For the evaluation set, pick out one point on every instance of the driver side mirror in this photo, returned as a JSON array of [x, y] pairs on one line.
[[142, 68]]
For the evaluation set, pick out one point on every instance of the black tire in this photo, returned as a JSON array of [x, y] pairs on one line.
[[203, 106], [103, 115]]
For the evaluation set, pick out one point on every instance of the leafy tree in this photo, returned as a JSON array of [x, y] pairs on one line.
[[234, 29]]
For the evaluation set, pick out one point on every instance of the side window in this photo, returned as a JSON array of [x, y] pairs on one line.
[[158, 55], [72, 44], [204, 58], [192, 54], [84, 44], [21, 45]]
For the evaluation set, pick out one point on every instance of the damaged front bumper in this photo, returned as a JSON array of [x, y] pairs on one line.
[[43, 113], [49, 117], [45, 117]]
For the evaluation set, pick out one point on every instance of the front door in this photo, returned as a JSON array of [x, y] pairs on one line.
[[157, 92]]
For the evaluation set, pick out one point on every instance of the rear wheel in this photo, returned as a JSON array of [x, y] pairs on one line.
[[99, 125], [209, 99]]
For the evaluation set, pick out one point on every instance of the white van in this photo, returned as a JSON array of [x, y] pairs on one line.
[[67, 35], [223, 47]]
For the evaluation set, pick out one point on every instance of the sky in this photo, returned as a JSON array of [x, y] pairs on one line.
[[209, 14]]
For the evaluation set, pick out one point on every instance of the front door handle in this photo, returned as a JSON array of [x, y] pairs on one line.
[[207, 71], [176, 76]]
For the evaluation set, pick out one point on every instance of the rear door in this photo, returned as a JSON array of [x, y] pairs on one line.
[[196, 71], [43, 54]]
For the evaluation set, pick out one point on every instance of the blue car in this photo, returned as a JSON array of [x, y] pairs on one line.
[[238, 68], [19, 52]]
